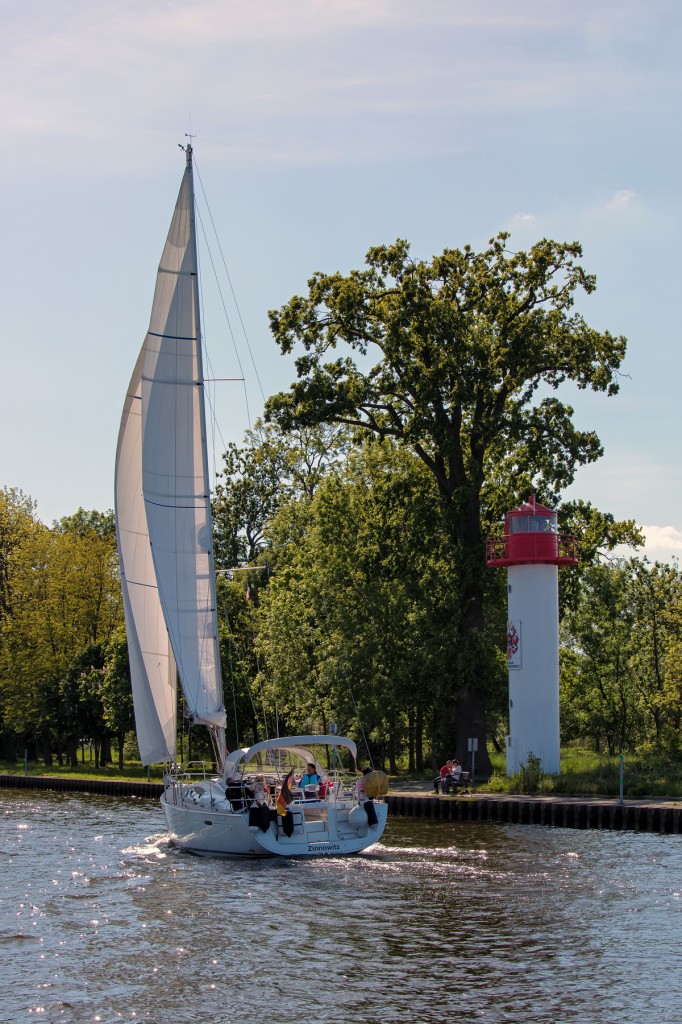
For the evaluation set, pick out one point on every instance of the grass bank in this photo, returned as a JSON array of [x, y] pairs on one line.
[[583, 773], [131, 772]]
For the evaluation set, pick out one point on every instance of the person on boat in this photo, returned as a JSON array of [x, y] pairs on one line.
[[259, 811], [235, 792], [361, 794], [310, 781], [260, 792]]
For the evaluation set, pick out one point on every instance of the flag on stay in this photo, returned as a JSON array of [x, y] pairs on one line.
[[285, 797]]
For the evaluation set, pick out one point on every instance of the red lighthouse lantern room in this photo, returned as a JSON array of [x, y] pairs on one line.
[[531, 537]]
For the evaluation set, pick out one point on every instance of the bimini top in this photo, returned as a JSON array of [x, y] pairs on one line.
[[297, 745]]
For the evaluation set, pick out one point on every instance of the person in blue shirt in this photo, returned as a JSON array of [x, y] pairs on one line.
[[310, 778]]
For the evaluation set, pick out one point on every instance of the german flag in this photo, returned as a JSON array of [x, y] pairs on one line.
[[284, 798]]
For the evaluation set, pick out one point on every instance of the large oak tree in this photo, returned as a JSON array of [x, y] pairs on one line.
[[457, 358]]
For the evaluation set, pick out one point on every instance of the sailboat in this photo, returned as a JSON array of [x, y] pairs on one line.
[[250, 802]]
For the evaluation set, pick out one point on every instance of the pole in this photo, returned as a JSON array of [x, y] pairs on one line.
[[620, 772], [25, 760], [472, 746]]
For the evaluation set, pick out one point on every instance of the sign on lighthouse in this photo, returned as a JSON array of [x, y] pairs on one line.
[[532, 551]]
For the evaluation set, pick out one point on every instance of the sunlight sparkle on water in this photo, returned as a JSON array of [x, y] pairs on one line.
[[518, 895]]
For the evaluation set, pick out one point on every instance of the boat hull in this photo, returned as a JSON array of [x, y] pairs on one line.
[[332, 835], [320, 829]]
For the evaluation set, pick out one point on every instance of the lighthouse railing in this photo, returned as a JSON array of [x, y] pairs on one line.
[[532, 549]]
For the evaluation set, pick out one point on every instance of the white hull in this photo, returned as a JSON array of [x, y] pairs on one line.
[[321, 827]]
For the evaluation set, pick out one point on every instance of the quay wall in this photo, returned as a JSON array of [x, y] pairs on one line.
[[104, 787], [610, 815], [633, 816]]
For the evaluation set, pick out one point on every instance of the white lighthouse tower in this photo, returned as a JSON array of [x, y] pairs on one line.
[[532, 551]]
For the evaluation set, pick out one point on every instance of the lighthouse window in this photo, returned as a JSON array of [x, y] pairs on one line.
[[533, 524]]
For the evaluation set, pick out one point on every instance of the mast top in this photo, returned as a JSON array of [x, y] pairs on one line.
[[188, 150]]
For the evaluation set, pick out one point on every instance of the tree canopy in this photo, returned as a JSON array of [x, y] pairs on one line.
[[458, 359]]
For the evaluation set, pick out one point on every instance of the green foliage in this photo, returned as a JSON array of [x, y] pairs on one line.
[[620, 679], [61, 598], [260, 477], [426, 406], [531, 773], [447, 358], [359, 621], [647, 772], [85, 523]]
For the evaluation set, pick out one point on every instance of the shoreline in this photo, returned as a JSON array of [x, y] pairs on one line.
[[659, 816]]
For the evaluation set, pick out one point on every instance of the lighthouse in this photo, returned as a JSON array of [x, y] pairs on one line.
[[532, 550]]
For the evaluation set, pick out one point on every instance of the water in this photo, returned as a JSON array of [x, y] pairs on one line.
[[444, 922]]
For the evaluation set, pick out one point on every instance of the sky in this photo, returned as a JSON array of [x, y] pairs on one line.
[[323, 127]]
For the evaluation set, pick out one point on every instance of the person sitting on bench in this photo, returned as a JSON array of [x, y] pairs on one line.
[[452, 780], [440, 780]]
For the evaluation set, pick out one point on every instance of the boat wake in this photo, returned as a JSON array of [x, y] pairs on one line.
[[154, 847]]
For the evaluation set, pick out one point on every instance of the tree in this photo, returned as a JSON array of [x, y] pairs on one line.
[[655, 595], [620, 674], [269, 472], [81, 691], [17, 523], [116, 690], [355, 623], [598, 533], [64, 596], [86, 523], [259, 477], [598, 694], [462, 344]]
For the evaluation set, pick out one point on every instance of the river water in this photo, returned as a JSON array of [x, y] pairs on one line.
[[442, 921]]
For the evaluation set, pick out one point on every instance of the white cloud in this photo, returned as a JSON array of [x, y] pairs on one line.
[[662, 544], [118, 69], [521, 220], [624, 198]]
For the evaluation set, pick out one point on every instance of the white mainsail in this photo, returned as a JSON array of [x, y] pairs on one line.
[[163, 513]]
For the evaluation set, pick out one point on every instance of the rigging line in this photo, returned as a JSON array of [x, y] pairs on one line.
[[229, 658], [357, 715], [262, 690], [229, 280], [231, 637], [227, 317]]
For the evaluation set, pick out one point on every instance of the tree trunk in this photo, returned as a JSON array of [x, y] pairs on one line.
[[105, 757], [46, 749], [470, 724], [474, 662], [419, 740], [410, 739], [435, 764], [392, 743]]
